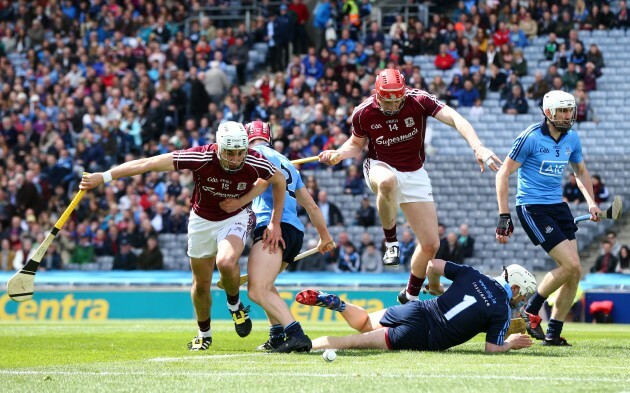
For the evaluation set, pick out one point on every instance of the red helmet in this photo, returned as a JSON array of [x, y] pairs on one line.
[[258, 130], [390, 89]]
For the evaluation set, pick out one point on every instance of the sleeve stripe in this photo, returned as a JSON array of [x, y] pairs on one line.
[[262, 163], [267, 168], [521, 141]]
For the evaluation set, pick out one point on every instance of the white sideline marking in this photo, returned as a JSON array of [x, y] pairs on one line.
[[204, 357], [310, 375]]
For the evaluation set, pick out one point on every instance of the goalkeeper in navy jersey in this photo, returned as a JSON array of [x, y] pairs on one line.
[[474, 303]]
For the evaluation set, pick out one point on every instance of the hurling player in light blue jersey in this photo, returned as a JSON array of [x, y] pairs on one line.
[[540, 154], [286, 334]]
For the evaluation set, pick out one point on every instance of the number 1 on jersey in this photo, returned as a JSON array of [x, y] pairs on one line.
[[461, 306]]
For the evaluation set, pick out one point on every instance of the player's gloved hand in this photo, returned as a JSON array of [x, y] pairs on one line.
[[505, 227]]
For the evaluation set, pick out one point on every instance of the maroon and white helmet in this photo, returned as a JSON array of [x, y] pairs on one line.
[[258, 130]]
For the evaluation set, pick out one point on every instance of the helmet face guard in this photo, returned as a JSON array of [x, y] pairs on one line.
[[232, 160], [560, 110], [517, 275], [390, 91], [232, 146]]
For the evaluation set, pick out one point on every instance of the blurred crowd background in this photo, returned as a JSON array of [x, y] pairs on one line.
[[87, 85]]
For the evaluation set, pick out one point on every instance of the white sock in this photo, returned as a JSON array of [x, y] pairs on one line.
[[204, 334], [234, 307], [389, 244], [411, 297]]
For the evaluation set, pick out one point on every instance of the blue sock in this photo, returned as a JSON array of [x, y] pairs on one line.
[[276, 334], [535, 303], [293, 329], [554, 328]]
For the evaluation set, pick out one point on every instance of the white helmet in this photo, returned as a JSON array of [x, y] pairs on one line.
[[231, 136], [557, 99], [518, 275]]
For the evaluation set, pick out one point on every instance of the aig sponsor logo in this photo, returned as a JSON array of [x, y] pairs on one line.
[[552, 168]]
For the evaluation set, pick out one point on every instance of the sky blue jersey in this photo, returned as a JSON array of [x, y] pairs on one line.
[[263, 204], [543, 161]]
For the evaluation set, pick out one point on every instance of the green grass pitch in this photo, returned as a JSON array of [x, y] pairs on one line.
[[151, 355]]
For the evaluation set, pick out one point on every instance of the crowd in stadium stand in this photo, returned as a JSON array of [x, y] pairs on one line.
[[86, 85]]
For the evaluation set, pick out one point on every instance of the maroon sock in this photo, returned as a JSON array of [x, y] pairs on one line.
[[204, 326], [414, 285], [390, 235], [232, 299]]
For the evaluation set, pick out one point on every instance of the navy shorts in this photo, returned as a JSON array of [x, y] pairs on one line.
[[547, 225], [407, 326], [293, 239]]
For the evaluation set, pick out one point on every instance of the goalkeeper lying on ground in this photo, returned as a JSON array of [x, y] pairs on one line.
[[474, 303]]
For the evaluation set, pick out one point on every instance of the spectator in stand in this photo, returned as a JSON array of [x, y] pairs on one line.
[[502, 35], [551, 47], [538, 88], [600, 191], [571, 77], [151, 257], [624, 260], [466, 242], [331, 212], [365, 215], [354, 184], [571, 193], [584, 109], [467, 96], [519, 64], [444, 61], [561, 58], [589, 76], [407, 247], [518, 38], [578, 56], [125, 259], [595, 56], [607, 262], [349, 259], [450, 250], [607, 19], [516, 103], [623, 21], [371, 260]]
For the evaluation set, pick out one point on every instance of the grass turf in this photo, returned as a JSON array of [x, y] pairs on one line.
[[151, 355]]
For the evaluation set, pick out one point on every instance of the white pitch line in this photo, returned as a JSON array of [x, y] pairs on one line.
[[205, 357], [309, 375]]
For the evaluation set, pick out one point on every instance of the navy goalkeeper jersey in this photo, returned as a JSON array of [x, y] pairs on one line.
[[474, 303]]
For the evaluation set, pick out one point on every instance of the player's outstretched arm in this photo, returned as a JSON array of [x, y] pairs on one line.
[[435, 269], [351, 148], [161, 163], [505, 227], [514, 341], [273, 234], [585, 184], [485, 157], [305, 200]]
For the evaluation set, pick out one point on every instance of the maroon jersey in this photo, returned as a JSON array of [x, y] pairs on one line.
[[213, 184], [397, 140]]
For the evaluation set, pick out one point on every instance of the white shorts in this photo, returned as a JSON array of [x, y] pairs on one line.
[[412, 186], [204, 236]]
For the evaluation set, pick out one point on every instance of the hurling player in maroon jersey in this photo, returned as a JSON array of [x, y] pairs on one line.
[[392, 124], [222, 170]]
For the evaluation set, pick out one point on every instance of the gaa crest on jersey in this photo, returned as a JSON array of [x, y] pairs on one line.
[[409, 122], [241, 186]]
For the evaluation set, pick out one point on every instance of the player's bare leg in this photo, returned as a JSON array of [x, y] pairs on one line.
[[263, 270], [202, 269], [422, 218], [370, 340], [229, 250], [384, 183], [565, 279]]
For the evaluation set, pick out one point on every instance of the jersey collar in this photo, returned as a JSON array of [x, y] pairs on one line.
[[544, 128]]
